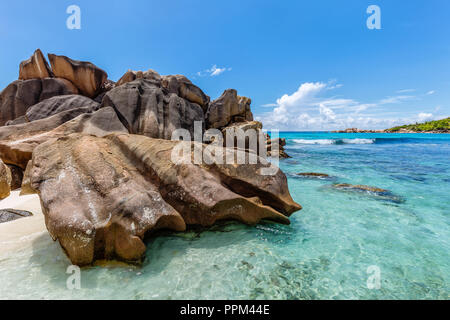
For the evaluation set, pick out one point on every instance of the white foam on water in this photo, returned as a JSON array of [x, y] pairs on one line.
[[334, 141]]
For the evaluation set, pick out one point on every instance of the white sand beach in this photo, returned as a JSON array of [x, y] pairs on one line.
[[21, 233]]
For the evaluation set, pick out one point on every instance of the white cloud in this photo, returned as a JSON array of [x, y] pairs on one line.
[[422, 117], [406, 90], [309, 108], [213, 71], [431, 92]]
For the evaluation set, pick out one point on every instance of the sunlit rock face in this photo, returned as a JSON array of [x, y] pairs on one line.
[[102, 196], [36, 67], [87, 77], [100, 156], [147, 109]]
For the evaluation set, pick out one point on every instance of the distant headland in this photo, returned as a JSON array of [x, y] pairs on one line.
[[437, 126]]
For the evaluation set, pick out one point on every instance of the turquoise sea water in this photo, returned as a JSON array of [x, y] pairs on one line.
[[325, 252]]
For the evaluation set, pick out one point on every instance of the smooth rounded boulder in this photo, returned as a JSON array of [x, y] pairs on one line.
[[87, 77], [147, 109], [227, 109], [102, 196], [20, 95], [59, 104]]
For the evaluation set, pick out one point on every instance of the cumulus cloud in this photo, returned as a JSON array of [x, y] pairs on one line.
[[425, 116], [213, 71], [310, 108]]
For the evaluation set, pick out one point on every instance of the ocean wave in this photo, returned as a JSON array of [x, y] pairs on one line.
[[334, 141]]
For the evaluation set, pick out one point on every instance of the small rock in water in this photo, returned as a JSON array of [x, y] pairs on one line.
[[7, 215], [314, 175], [382, 194]]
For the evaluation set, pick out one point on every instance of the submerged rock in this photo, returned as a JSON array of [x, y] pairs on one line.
[[314, 175], [373, 191], [7, 215], [346, 186], [102, 196]]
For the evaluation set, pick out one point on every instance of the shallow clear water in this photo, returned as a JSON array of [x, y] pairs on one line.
[[323, 254]]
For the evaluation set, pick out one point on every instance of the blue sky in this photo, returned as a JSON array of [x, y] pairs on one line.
[[307, 65]]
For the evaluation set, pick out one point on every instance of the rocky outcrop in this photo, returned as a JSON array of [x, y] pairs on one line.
[[18, 142], [5, 180], [250, 130], [131, 75], [279, 146], [228, 109], [16, 177], [92, 150], [54, 105], [87, 77], [177, 84], [102, 196], [145, 108], [7, 215], [36, 67], [184, 88], [18, 96]]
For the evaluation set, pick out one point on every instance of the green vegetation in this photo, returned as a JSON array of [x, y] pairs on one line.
[[438, 125]]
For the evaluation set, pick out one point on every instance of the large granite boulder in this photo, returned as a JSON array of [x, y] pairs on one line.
[[177, 84], [36, 67], [147, 109], [131, 75], [18, 96], [87, 77], [184, 88], [227, 109], [16, 176], [59, 104], [102, 196], [18, 142], [5, 180]]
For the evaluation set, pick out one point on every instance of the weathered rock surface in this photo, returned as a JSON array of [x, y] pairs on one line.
[[314, 175], [59, 104], [184, 88], [87, 77], [18, 142], [16, 176], [7, 215], [145, 108], [131, 75], [5, 180], [379, 193], [18, 96], [101, 196], [36, 67], [227, 109], [177, 84]]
